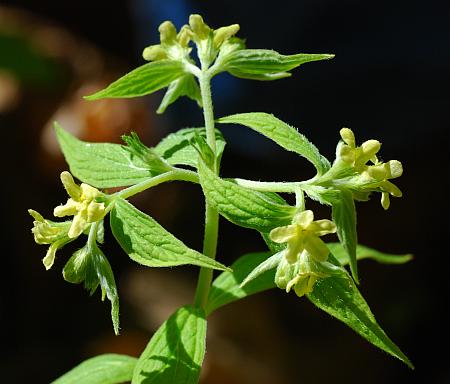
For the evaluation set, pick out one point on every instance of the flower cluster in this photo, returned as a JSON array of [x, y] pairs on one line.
[[304, 259], [369, 173], [175, 46], [82, 204]]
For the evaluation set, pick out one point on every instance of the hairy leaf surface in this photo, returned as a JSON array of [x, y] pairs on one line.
[[184, 86], [143, 80], [148, 243], [177, 149], [175, 352], [340, 298], [344, 216], [242, 206], [265, 61], [102, 165], [283, 134]]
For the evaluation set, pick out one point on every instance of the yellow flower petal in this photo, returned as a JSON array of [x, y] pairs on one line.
[[78, 226], [304, 218], [316, 248], [322, 227], [95, 212], [385, 201], [69, 209], [73, 190], [49, 258], [283, 234], [348, 137]]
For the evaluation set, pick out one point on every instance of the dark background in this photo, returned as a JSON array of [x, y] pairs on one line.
[[389, 81]]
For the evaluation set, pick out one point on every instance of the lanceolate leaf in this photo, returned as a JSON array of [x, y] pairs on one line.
[[184, 86], [340, 298], [363, 252], [226, 287], [177, 149], [242, 206], [101, 165], [344, 216], [283, 134], [143, 80], [148, 243], [264, 61], [175, 353], [103, 369]]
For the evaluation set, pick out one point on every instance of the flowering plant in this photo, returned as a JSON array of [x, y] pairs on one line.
[[297, 257]]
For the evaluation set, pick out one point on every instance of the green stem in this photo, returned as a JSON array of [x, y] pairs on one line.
[[211, 214], [176, 174], [269, 186]]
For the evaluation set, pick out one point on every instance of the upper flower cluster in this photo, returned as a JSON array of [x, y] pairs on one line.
[[175, 46], [372, 175]]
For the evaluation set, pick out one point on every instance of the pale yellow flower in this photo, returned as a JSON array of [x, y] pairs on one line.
[[374, 176], [303, 234], [49, 232], [82, 205]]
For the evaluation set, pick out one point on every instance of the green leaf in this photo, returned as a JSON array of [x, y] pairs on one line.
[[283, 134], [144, 80], [175, 353], [90, 265], [344, 216], [103, 369], [259, 76], [177, 148], [363, 252], [148, 243], [226, 287], [184, 86], [340, 298], [243, 206], [264, 61], [102, 165], [148, 155]]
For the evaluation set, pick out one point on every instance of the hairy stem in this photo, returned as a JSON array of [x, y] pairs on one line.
[[211, 214], [176, 174]]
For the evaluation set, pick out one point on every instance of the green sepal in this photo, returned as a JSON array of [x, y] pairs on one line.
[[142, 81], [204, 150], [281, 133], [226, 288], [148, 243], [344, 216], [103, 369], [243, 206], [267, 265], [177, 148], [148, 155], [339, 297], [90, 266], [102, 165], [184, 86], [175, 352], [264, 61], [363, 252]]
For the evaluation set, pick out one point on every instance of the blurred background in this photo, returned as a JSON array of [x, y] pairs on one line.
[[389, 81]]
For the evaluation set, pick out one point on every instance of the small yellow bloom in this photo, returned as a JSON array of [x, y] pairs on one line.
[[303, 234], [49, 232], [374, 176], [82, 205], [304, 273]]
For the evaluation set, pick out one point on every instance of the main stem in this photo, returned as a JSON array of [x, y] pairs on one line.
[[211, 214]]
